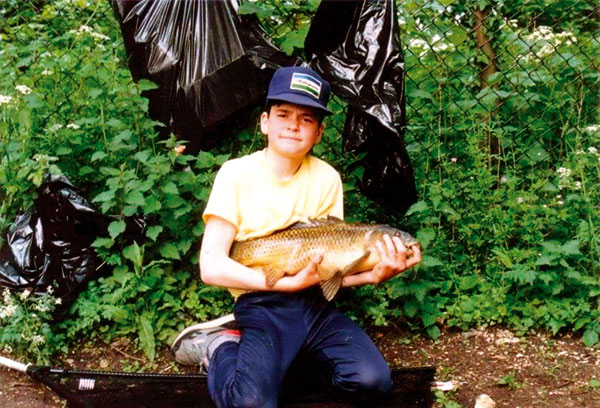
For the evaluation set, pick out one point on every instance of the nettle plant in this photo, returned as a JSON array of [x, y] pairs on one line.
[[69, 106], [507, 175]]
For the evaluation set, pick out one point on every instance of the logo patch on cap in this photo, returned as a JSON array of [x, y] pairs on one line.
[[306, 83]]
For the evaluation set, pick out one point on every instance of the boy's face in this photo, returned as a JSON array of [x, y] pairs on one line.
[[292, 130]]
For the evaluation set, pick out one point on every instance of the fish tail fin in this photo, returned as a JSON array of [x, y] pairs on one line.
[[331, 286], [272, 274]]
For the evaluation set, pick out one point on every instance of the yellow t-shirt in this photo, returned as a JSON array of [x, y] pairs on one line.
[[247, 194]]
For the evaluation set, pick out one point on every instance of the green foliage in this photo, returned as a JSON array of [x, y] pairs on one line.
[[25, 326], [510, 381], [507, 169], [104, 142]]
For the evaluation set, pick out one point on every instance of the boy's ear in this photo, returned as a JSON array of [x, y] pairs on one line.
[[264, 123]]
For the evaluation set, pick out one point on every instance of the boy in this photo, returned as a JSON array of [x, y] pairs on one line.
[[251, 197]]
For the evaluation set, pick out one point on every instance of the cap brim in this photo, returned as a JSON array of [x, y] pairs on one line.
[[300, 100]]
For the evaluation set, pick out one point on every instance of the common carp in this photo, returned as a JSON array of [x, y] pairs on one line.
[[347, 248]]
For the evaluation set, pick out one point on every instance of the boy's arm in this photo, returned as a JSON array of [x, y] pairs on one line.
[[218, 269], [392, 255]]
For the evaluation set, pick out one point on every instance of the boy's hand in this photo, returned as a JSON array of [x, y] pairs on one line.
[[393, 261], [305, 278]]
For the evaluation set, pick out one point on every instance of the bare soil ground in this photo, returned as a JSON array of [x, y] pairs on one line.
[[532, 371]]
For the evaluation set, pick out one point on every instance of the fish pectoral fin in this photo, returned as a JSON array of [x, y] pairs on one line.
[[272, 274], [331, 286], [350, 267]]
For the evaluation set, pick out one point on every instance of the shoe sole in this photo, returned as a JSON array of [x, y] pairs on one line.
[[222, 321]]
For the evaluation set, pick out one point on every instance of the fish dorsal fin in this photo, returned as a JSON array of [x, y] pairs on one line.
[[316, 222]]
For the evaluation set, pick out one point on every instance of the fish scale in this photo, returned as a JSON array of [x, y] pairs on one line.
[[346, 247]]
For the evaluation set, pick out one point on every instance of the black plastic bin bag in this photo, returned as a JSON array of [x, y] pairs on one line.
[[209, 62], [355, 46], [51, 244]]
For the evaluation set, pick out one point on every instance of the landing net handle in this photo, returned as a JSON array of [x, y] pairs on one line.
[[15, 365]]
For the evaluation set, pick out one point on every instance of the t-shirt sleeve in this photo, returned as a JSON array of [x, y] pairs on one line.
[[223, 200]]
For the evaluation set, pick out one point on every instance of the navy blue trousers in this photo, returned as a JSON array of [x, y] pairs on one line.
[[276, 327]]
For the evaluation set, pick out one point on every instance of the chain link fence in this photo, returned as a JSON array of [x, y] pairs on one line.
[[523, 75], [519, 81], [503, 130]]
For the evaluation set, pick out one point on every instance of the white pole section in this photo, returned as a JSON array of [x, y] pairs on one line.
[[15, 365]]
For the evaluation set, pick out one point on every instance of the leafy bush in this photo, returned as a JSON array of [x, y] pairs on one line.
[[507, 171]]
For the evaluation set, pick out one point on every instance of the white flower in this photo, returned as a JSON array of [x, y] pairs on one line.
[[5, 99], [578, 185], [73, 126], [546, 50], [560, 202], [47, 72], [55, 127], [419, 43], [453, 160], [563, 172], [37, 339], [58, 301], [99, 36], [85, 29], [8, 311], [7, 297], [519, 200], [593, 128], [8, 349], [50, 289], [25, 294], [24, 89], [40, 307]]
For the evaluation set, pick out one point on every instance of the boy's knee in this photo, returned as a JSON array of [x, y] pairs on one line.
[[369, 381], [254, 401], [250, 397]]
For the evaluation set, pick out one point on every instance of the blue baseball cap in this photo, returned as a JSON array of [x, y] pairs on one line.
[[300, 86]]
